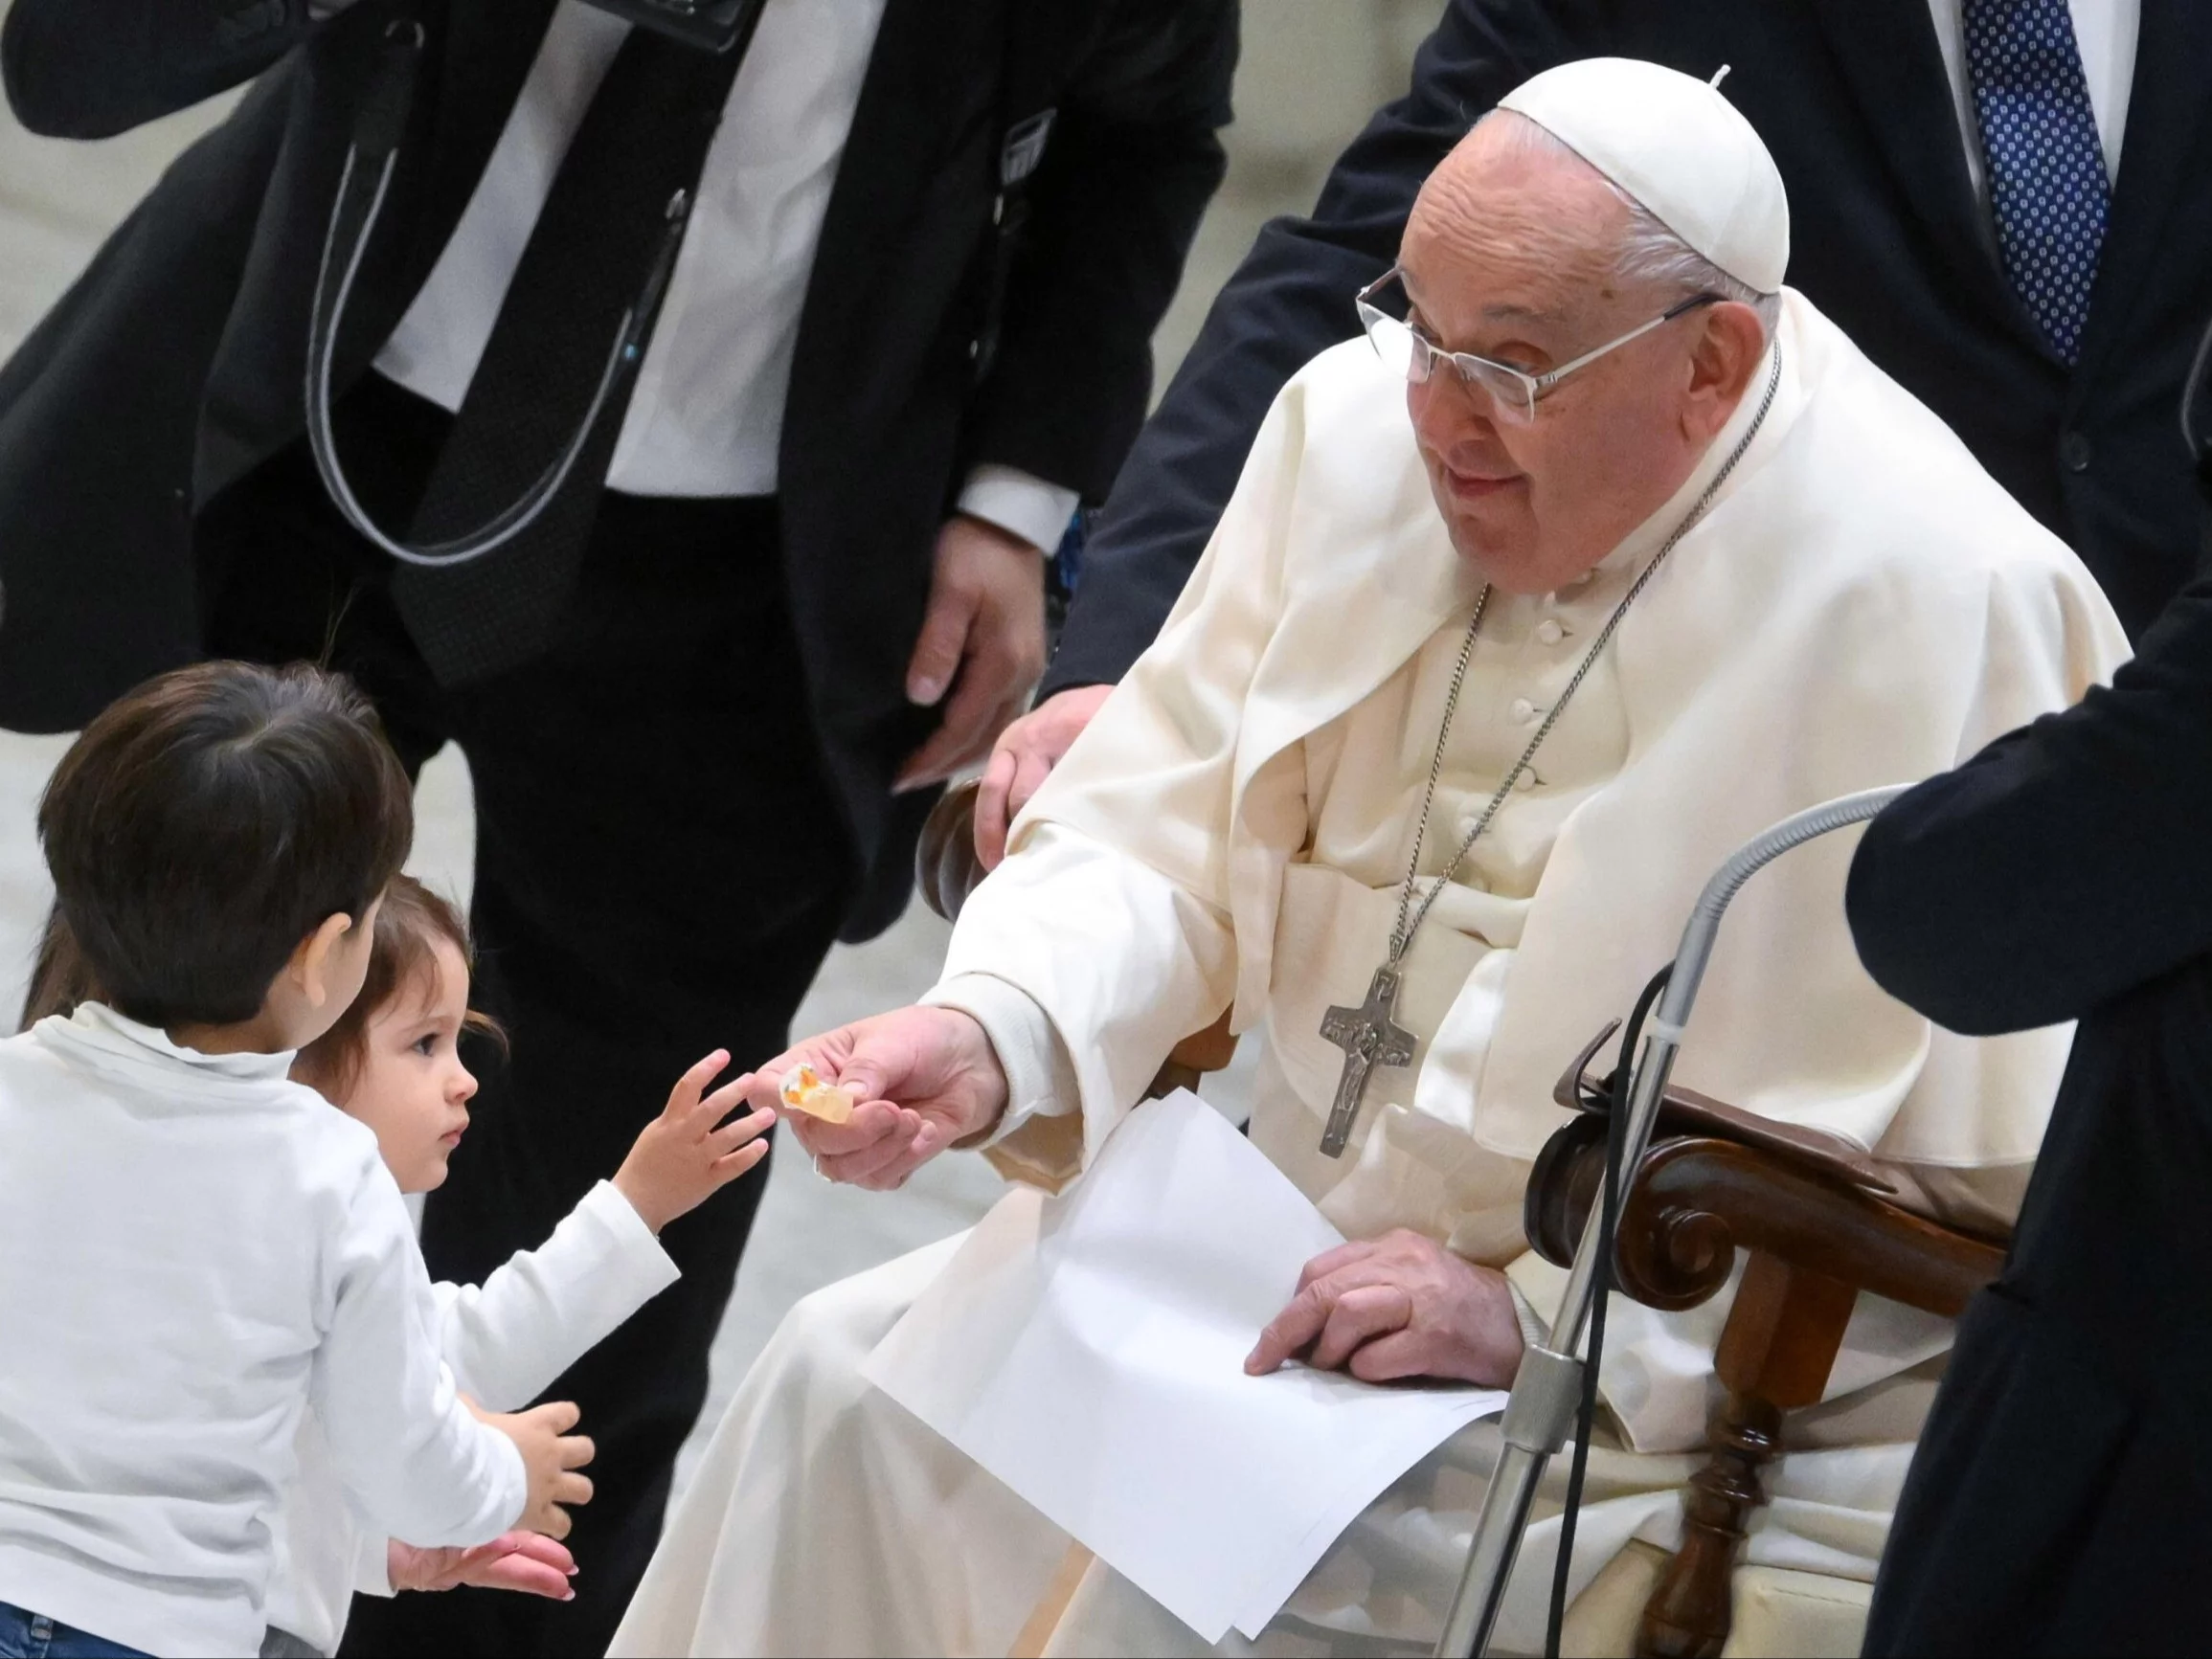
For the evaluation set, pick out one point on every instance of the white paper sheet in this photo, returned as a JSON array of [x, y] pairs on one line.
[[1088, 1351]]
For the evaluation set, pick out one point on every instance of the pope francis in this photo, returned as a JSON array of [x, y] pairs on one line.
[[1603, 552]]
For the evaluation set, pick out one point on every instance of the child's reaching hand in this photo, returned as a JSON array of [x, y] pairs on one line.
[[551, 1456], [682, 1159], [527, 1562]]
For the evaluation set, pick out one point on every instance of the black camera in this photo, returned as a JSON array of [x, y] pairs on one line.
[[710, 25]]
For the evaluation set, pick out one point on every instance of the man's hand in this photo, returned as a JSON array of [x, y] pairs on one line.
[[982, 637], [1028, 750], [682, 1158], [526, 1562], [551, 1456], [1395, 1307], [924, 1077]]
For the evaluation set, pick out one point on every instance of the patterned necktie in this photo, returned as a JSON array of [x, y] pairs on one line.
[[2048, 188]]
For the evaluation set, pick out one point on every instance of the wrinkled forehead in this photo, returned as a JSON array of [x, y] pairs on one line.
[[1509, 226]]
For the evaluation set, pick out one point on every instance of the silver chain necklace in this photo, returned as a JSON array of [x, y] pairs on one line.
[[1368, 1034]]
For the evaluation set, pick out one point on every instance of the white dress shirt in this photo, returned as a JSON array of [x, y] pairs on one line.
[[2104, 34], [506, 1340], [707, 413], [195, 1250]]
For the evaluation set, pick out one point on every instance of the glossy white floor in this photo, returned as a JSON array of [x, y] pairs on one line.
[[1312, 70]]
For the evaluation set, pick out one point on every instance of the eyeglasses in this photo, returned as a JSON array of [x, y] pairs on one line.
[[1513, 391]]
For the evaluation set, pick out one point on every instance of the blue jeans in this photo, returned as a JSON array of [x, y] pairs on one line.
[[34, 1636]]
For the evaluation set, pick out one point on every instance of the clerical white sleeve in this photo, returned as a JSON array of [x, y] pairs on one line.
[[1111, 913], [1120, 962]]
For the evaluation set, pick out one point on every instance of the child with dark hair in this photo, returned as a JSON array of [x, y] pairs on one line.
[[394, 1061], [193, 1247]]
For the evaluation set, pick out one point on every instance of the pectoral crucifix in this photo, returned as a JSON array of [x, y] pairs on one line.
[[1368, 1037]]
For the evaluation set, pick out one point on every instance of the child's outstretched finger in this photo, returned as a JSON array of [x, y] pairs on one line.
[[526, 1562], [540, 1548], [764, 1087], [740, 1132], [721, 1102], [685, 1096], [730, 1165], [522, 1574]]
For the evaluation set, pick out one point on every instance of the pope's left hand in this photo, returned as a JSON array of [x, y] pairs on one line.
[[530, 1562], [1396, 1306], [983, 639]]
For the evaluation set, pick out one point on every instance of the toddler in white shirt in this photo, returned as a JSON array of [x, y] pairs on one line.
[[394, 1063], [193, 1247]]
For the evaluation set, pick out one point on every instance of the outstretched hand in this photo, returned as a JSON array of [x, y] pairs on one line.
[[529, 1562], [688, 1154], [924, 1077], [1397, 1307]]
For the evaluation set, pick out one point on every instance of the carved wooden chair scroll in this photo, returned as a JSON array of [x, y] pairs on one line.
[[1811, 1212], [947, 870]]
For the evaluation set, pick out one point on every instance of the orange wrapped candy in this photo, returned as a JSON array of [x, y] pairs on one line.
[[803, 1090]]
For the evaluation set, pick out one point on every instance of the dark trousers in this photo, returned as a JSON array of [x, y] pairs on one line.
[[659, 874]]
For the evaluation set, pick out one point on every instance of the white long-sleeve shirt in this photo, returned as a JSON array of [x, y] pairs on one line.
[[506, 1341], [707, 414], [193, 1249]]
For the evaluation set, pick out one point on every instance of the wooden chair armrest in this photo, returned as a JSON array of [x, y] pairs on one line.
[[1816, 1238], [1699, 1198], [947, 870], [1686, 1111]]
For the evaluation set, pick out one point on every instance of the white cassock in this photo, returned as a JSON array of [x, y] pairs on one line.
[[1861, 605]]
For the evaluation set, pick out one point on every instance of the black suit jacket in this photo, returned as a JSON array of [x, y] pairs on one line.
[[176, 363], [2058, 1503], [1887, 239]]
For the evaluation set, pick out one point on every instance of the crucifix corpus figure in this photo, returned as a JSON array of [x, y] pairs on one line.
[[1368, 1037]]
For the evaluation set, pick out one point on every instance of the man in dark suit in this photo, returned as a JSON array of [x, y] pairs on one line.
[[893, 273], [1909, 134], [2058, 1500]]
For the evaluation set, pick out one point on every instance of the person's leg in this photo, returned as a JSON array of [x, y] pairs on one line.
[[29, 1635], [660, 871], [828, 1519]]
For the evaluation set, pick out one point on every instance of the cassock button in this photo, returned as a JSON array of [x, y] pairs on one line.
[[2074, 451], [1525, 781], [1523, 712], [1549, 631]]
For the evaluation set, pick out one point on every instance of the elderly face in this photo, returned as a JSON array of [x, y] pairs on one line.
[[1511, 254]]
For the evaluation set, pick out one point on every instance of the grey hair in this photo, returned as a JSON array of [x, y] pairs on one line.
[[1650, 250]]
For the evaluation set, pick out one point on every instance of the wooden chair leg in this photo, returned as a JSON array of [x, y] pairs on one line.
[[1688, 1614], [1776, 1352]]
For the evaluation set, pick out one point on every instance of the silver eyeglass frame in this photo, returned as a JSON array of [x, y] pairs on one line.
[[1515, 392]]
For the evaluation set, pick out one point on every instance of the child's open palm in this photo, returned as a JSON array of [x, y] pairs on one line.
[[530, 1562], [683, 1158]]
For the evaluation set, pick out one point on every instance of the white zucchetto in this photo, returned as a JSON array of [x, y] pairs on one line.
[[1677, 147]]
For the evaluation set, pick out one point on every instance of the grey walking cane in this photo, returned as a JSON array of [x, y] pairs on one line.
[[1549, 1388]]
